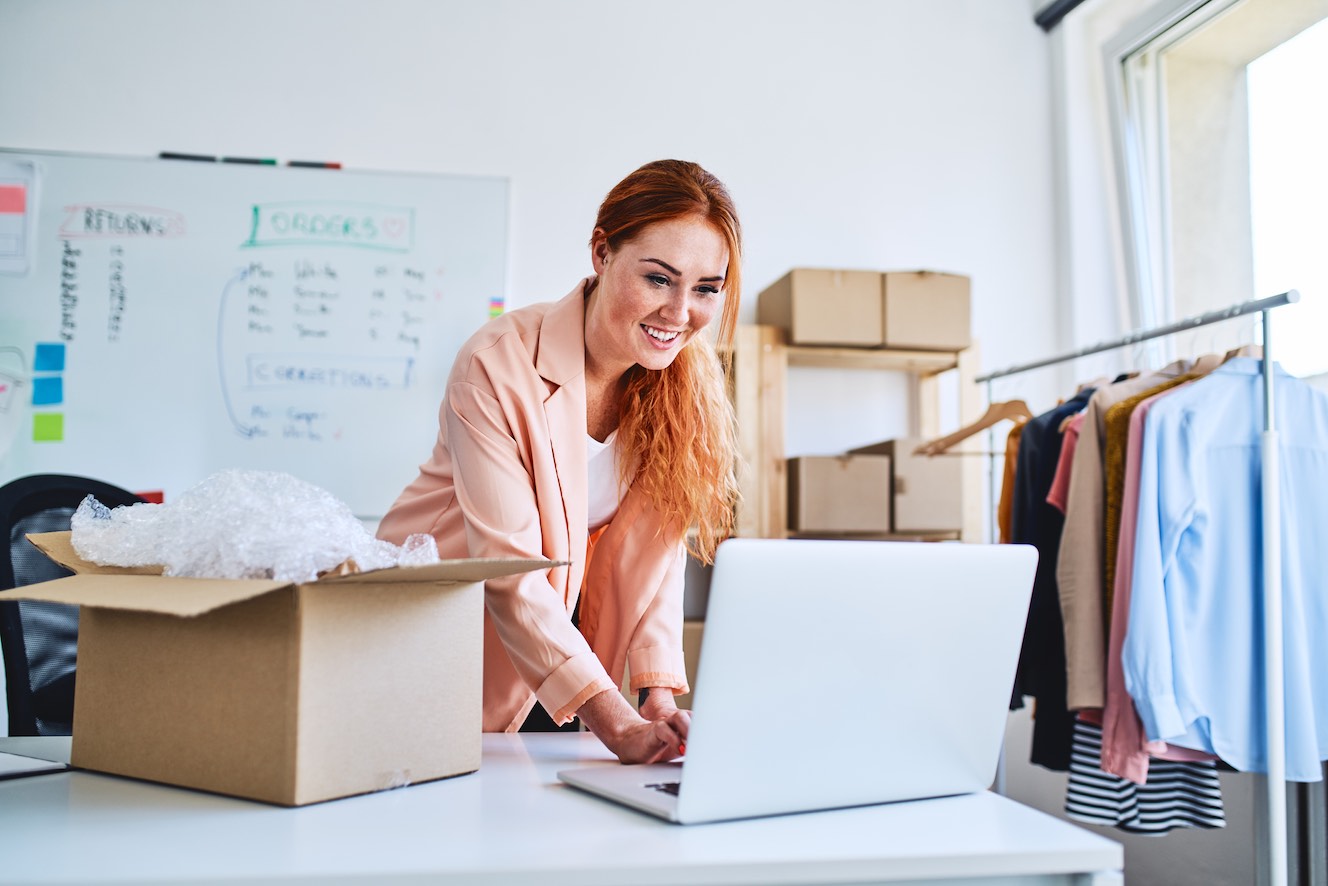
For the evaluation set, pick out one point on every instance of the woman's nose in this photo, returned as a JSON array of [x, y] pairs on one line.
[[676, 309]]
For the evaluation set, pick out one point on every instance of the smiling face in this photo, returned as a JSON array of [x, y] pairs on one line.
[[655, 293]]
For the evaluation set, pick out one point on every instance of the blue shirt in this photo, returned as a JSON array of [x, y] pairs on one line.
[[1194, 650]]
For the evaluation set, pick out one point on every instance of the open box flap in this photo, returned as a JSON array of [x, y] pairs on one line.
[[145, 589], [146, 593], [59, 547]]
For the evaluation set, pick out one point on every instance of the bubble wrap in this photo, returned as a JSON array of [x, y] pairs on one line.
[[240, 524]]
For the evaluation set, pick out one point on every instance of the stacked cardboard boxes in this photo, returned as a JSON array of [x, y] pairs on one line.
[[917, 310], [878, 489]]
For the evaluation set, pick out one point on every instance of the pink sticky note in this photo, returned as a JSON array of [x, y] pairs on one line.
[[13, 198]]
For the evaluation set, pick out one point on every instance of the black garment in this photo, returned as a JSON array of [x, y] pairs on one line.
[[538, 720], [1041, 672]]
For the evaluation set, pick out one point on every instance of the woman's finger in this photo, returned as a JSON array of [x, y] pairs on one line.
[[681, 722], [672, 734]]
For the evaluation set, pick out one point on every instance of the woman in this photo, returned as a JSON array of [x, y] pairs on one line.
[[594, 431]]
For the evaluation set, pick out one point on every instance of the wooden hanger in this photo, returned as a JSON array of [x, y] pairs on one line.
[[1012, 410], [1244, 351], [1206, 363], [1095, 383]]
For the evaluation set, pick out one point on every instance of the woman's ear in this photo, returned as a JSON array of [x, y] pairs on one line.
[[599, 251]]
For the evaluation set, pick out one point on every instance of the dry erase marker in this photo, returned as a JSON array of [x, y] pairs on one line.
[[200, 158], [313, 164], [254, 161]]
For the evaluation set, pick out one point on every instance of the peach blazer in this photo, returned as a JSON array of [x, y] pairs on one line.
[[507, 478]]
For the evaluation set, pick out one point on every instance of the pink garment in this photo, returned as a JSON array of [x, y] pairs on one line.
[[1060, 483], [1125, 750]]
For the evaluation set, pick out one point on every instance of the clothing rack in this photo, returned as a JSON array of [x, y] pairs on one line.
[[1270, 517]]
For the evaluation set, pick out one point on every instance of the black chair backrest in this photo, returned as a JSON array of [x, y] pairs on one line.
[[39, 641]]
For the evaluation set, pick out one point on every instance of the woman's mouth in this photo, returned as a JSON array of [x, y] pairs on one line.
[[663, 336]]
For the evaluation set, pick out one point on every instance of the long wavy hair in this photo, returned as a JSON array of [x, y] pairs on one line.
[[676, 426]]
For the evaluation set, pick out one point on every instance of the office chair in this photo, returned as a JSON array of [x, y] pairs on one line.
[[39, 641]]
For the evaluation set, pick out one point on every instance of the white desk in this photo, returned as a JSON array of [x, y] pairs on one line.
[[514, 823]]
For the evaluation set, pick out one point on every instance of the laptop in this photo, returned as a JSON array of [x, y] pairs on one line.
[[840, 673]]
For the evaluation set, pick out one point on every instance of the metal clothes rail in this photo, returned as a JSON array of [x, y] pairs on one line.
[[1262, 305], [1275, 719]]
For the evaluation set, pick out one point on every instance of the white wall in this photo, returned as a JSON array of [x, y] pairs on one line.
[[875, 134], [891, 134], [884, 134]]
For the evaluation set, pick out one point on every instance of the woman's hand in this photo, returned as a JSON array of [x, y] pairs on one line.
[[658, 733]]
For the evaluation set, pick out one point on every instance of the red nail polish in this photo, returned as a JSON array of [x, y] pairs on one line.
[[682, 748]]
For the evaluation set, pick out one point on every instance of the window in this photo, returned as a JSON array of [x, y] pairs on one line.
[[1223, 162], [1289, 193]]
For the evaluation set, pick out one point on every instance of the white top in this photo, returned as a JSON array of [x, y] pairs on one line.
[[604, 492], [513, 822]]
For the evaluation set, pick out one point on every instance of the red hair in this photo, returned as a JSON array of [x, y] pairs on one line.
[[677, 424]]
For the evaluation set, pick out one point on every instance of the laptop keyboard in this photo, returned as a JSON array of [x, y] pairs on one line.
[[668, 787]]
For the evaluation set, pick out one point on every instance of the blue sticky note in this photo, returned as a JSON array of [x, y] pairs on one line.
[[50, 358], [48, 391]]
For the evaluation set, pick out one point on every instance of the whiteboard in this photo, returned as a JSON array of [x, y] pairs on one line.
[[164, 319]]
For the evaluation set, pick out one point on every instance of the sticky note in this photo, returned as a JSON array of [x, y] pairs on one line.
[[49, 358], [13, 198], [48, 427], [48, 391]]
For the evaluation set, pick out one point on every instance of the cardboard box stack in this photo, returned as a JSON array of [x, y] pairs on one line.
[[276, 691], [878, 489], [916, 310]]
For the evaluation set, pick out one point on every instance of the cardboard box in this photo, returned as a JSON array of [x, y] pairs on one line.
[[280, 692], [842, 493], [926, 491], [825, 307], [926, 310]]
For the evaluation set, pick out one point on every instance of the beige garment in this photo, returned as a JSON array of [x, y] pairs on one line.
[[1081, 559]]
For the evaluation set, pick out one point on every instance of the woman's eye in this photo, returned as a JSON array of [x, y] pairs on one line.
[[707, 290], [658, 279]]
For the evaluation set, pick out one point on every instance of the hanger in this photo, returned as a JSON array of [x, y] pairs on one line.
[[1012, 410], [1092, 383], [1244, 351]]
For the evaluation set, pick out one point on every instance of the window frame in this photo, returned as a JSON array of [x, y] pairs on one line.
[[1137, 110]]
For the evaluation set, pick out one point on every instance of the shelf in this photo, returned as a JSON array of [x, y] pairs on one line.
[[761, 359], [921, 362]]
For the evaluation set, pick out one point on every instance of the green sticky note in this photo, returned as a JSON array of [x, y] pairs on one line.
[[48, 427]]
